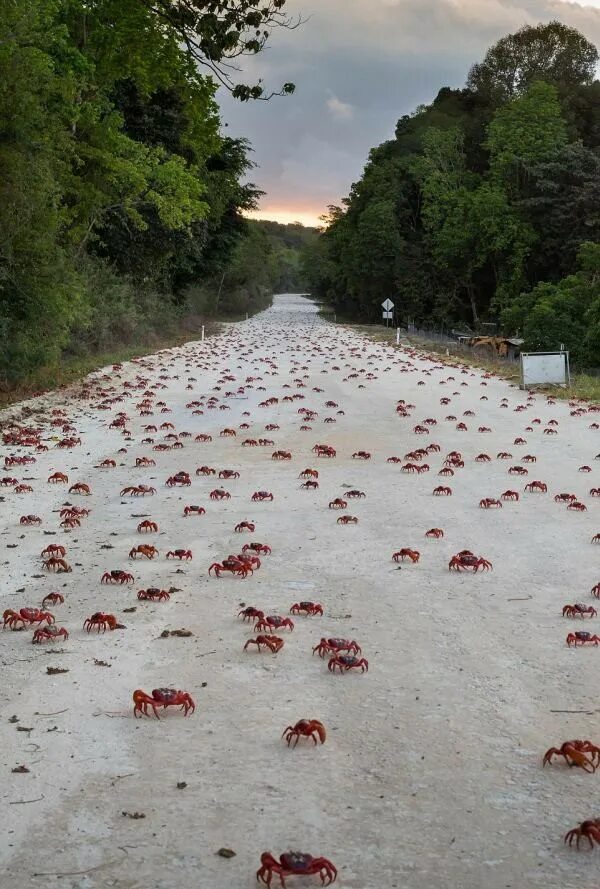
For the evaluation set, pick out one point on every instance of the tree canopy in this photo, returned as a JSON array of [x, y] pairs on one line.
[[121, 199], [484, 205]]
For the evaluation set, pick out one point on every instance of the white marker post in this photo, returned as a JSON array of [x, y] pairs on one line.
[[397, 336], [202, 334]]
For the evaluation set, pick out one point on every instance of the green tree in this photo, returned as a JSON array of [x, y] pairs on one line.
[[567, 312], [527, 130], [554, 52]]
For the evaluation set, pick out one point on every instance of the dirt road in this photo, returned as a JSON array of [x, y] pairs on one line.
[[431, 772]]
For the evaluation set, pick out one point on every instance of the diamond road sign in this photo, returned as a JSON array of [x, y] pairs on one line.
[[387, 306]]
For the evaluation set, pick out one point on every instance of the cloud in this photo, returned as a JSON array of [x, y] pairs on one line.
[[383, 58], [339, 110]]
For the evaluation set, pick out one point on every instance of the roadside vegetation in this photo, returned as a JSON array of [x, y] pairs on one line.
[[582, 385], [121, 199], [483, 208]]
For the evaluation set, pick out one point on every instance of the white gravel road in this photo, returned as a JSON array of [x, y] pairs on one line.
[[431, 772]]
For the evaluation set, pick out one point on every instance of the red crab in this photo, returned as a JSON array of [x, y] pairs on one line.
[[57, 564], [233, 566], [102, 621], [490, 503], [54, 549], [180, 554], [53, 599], [354, 494], [294, 864], [80, 488], [577, 506], [247, 558], [308, 608], [181, 478], [573, 753], [588, 829], [49, 634], [194, 510], [582, 638], [262, 495], [26, 616], [347, 520], [220, 494], [274, 643], [406, 553], [205, 470], [565, 498], [262, 548], [250, 613], [58, 478], [139, 490], [509, 495], [347, 662], [162, 697], [147, 526], [338, 503], [117, 576], [409, 467], [442, 491], [153, 594], [541, 487], [143, 549], [30, 520], [466, 561], [245, 526], [579, 610], [273, 622], [229, 473], [309, 473], [435, 533], [361, 455], [305, 728]]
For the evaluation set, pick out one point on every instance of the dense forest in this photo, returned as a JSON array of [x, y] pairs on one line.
[[485, 207], [121, 199]]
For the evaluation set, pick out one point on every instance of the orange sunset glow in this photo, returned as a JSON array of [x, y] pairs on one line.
[[306, 217]]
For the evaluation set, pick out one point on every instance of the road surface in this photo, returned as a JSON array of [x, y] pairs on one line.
[[431, 772]]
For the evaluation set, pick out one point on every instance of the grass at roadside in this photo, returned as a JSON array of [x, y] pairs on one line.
[[582, 385], [74, 369]]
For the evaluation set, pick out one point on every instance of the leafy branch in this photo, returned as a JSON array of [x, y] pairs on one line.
[[216, 32]]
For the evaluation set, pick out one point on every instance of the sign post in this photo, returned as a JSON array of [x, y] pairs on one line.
[[388, 310]]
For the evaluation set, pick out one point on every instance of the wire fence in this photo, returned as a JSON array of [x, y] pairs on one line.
[[446, 337]]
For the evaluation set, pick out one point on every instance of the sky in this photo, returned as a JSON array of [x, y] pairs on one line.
[[358, 66]]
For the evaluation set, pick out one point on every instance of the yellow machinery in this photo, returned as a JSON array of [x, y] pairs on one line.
[[489, 346]]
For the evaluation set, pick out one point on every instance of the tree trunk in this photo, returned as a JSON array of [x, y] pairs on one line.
[[471, 293]]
